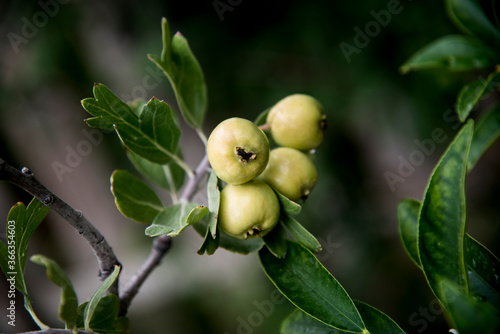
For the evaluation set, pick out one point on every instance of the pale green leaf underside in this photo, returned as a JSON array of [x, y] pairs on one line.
[[175, 218]]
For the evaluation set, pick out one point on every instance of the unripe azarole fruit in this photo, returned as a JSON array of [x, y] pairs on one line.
[[237, 150], [291, 173], [248, 210], [297, 121]]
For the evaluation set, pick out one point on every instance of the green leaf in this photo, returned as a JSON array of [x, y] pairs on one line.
[[21, 224], [275, 241], [486, 132], [153, 135], [441, 226], [134, 198], [91, 308], [175, 218], [210, 242], [302, 279], [213, 194], [288, 206], [106, 319], [227, 242], [108, 110], [483, 267], [376, 321], [69, 302], [470, 17], [299, 322], [470, 94], [470, 315], [170, 176], [408, 226], [301, 235], [452, 52], [185, 75], [157, 136], [137, 105], [481, 263]]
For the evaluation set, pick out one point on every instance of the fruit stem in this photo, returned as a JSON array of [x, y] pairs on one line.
[[266, 126], [202, 136]]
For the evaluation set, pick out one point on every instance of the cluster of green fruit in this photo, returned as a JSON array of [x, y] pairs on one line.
[[239, 153]]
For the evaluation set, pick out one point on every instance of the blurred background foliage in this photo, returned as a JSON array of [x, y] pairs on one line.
[[258, 53]]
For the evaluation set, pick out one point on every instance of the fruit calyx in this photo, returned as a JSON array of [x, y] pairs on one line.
[[245, 156], [254, 231]]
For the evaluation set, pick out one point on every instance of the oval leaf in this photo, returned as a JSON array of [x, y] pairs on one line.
[[302, 279], [276, 242], [376, 321], [301, 235], [155, 135], [470, 17], [481, 263], [408, 226], [441, 226], [483, 267], [472, 93], [68, 305], [452, 52], [91, 306], [106, 319], [175, 218], [223, 240], [288, 206], [470, 315], [185, 75], [299, 322], [486, 132], [134, 198]]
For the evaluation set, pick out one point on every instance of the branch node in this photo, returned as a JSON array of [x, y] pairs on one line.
[[26, 171], [47, 199]]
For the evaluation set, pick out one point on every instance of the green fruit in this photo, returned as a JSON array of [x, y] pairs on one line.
[[291, 173], [248, 210], [297, 121], [237, 150]]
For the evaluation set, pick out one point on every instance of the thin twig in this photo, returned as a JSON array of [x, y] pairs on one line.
[[264, 127], [161, 244], [103, 252]]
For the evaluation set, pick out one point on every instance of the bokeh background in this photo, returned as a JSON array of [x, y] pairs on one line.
[[252, 55]]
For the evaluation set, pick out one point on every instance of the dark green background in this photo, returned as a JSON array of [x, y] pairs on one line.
[[260, 52]]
